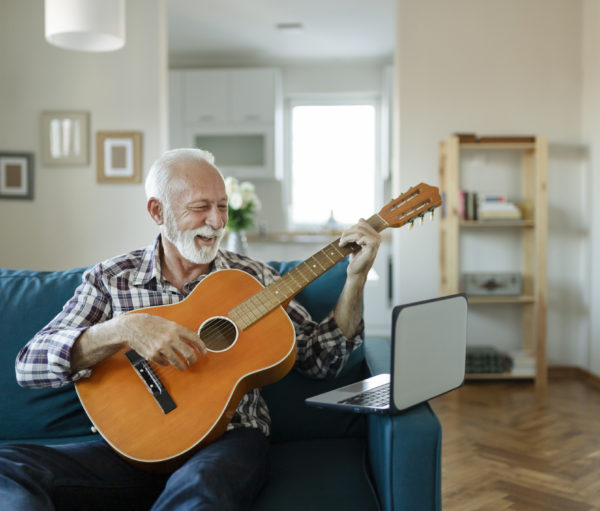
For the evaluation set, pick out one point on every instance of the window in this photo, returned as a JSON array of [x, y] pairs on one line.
[[333, 163]]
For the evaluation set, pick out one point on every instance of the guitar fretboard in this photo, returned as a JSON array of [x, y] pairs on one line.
[[290, 284]]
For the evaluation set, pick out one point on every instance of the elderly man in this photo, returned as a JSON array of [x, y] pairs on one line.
[[186, 198]]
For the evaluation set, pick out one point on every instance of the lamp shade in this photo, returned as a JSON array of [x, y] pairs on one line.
[[86, 25]]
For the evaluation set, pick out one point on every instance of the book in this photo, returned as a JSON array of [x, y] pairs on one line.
[[498, 211]]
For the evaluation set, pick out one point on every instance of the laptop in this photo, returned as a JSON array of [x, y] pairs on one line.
[[428, 353]]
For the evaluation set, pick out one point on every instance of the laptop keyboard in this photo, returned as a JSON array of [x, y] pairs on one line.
[[377, 396]]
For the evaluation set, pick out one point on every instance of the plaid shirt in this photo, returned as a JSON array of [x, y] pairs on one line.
[[133, 281]]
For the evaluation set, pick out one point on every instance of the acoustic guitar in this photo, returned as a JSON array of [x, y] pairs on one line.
[[157, 416]]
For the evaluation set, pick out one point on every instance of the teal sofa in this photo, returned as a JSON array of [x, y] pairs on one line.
[[320, 460]]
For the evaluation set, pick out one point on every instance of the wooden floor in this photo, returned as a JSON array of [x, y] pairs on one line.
[[506, 447]]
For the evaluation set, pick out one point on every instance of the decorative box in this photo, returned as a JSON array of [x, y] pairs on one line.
[[493, 284]]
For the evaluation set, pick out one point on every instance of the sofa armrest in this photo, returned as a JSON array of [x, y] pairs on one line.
[[405, 458], [404, 449], [377, 355]]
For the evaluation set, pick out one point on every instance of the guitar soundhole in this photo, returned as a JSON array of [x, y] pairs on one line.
[[218, 333]]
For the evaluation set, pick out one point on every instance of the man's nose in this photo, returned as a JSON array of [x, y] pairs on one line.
[[214, 219]]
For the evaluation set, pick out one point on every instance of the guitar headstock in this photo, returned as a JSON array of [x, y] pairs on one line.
[[413, 204]]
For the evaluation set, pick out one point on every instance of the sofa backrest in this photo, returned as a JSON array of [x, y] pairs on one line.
[[30, 299]]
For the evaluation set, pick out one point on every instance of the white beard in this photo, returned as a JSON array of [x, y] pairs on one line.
[[185, 243]]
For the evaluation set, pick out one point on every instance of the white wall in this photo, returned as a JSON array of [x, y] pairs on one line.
[[510, 67], [74, 221], [591, 137]]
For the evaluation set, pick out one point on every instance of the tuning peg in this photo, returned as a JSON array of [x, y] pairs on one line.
[[421, 216], [411, 223], [431, 212]]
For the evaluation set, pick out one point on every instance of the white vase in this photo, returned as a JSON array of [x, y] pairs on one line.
[[237, 242]]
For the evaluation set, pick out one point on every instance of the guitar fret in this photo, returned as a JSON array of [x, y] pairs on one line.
[[292, 276], [298, 272], [320, 258], [274, 301], [246, 311], [311, 264], [337, 249], [307, 265], [285, 284], [257, 303], [323, 252], [268, 298]]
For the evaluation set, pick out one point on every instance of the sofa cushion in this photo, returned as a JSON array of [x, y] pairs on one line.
[[317, 475], [28, 301]]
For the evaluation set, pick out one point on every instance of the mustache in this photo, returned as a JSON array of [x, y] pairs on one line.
[[207, 232]]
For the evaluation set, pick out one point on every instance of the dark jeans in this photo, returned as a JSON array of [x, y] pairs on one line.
[[224, 475]]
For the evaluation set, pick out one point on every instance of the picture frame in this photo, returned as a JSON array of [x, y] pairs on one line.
[[65, 137], [119, 156], [16, 175]]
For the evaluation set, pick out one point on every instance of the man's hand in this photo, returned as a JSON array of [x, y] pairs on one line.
[[369, 240], [160, 340], [153, 337]]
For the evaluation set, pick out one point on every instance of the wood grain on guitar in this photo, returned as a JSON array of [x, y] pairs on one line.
[[156, 416]]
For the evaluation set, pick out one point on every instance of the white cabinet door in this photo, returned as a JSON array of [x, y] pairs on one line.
[[253, 93], [176, 134], [206, 96]]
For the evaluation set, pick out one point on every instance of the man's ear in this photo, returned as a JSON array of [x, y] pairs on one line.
[[156, 210]]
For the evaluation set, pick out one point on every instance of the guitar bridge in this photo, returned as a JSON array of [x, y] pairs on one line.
[[152, 381]]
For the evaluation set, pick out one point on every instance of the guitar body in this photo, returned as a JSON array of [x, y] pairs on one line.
[[206, 395]]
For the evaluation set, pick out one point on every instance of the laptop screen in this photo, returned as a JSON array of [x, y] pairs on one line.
[[429, 349]]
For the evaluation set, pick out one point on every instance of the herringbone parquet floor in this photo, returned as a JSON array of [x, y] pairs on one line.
[[508, 448]]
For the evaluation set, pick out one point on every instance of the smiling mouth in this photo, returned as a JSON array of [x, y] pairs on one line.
[[206, 240]]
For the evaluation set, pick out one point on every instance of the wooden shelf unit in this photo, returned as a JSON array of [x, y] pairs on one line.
[[534, 159]]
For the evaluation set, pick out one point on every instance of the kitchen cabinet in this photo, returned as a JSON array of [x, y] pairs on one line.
[[234, 113]]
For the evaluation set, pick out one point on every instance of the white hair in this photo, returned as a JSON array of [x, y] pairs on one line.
[[157, 181]]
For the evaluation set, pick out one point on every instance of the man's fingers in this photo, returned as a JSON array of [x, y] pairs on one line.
[[163, 341], [187, 353], [193, 339]]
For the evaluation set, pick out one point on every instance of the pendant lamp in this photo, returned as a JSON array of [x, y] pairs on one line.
[[86, 25]]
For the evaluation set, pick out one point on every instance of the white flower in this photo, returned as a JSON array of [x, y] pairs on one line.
[[231, 185], [236, 201]]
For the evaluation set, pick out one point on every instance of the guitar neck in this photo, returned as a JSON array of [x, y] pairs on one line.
[[290, 284]]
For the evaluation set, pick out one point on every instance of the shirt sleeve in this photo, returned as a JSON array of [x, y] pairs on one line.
[[321, 348], [45, 361]]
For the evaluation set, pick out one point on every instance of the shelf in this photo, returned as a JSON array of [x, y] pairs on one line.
[[497, 223], [532, 233], [499, 145], [499, 376], [501, 299]]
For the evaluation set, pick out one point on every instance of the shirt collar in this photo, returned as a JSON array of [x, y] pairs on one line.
[[149, 267]]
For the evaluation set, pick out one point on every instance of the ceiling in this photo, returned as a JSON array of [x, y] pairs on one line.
[[234, 32]]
